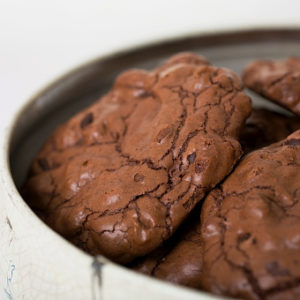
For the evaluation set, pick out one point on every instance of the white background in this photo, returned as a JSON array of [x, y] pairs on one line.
[[41, 39]]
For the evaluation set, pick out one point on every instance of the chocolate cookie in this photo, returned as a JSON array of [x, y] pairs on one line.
[[276, 80], [251, 227], [179, 260], [265, 127], [118, 178]]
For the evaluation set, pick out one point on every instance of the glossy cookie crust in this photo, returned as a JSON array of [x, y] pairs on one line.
[[278, 81], [118, 178], [250, 227]]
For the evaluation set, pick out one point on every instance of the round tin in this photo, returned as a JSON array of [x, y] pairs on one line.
[[37, 263]]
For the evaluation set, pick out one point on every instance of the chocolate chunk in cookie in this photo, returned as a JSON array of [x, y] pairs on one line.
[[123, 174], [278, 81], [250, 226]]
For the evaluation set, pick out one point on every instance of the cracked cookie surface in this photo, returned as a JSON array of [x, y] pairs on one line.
[[250, 226], [118, 178], [179, 260], [265, 127], [278, 81]]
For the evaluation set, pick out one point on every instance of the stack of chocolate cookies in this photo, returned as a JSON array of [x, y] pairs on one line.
[[173, 174]]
